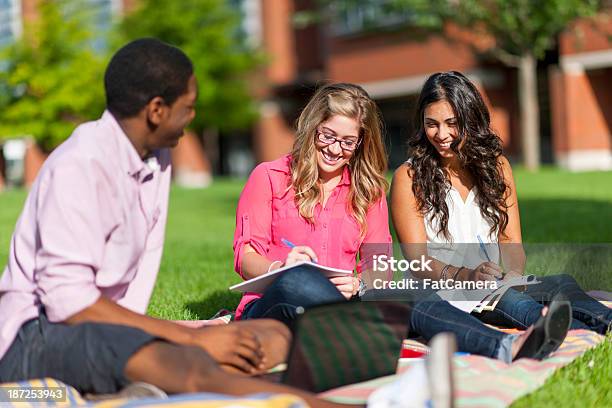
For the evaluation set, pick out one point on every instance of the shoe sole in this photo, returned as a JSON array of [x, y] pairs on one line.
[[556, 330]]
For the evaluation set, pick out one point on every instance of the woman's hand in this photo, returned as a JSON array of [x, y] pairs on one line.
[[347, 285], [512, 274], [486, 271], [300, 254]]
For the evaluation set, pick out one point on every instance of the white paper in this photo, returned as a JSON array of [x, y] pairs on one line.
[[260, 283], [478, 299]]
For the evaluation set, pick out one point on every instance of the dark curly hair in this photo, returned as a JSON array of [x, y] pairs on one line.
[[477, 147]]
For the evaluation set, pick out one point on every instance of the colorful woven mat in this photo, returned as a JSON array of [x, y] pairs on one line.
[[485, 382]]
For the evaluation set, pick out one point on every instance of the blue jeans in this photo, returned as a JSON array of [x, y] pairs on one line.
[[430, 315], [522, 309], [293, 289]]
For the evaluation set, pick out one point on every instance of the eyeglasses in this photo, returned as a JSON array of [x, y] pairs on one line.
[[349, 145]]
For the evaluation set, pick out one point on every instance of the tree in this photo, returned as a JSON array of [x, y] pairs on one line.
[[209, 33], [521, 31], [49, 78]]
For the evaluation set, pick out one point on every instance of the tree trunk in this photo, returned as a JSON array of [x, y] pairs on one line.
[[529, 112]]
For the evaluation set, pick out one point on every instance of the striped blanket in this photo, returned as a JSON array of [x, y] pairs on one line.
[[484, 382], [504, 382], [71, 398]]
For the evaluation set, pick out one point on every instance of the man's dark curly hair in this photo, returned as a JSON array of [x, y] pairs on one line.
[[477, 147]]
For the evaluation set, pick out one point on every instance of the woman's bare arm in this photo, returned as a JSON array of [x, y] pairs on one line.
[[409, 223], [510, 239]]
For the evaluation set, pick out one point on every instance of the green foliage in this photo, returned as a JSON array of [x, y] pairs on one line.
[[521, 26], [49, 79], [208, 32]]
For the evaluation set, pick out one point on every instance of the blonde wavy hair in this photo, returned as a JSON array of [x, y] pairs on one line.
[[367, 165]]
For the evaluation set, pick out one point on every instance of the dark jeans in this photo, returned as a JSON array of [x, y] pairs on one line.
[[91, 357], [522, 309], [430, 315], [293, 289]]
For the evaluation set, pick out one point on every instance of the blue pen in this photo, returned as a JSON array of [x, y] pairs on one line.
[[484, 249], [290, 244], [287, 243]]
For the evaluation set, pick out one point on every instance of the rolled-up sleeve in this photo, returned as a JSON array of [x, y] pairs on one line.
[[70, 214], [254, 216], [377, 240]]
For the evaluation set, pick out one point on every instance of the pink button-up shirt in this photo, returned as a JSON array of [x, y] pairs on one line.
[[93, 225], [267, 213]]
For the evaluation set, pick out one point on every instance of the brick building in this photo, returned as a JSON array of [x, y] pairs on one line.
[[393, 60]]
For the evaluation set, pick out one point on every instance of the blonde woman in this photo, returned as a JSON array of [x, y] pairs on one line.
[[328, 198]]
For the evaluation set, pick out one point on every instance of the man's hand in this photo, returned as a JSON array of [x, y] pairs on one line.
[[232, 346], [347, 285]]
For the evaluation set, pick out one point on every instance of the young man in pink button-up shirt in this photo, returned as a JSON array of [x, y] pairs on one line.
[[86, 250]]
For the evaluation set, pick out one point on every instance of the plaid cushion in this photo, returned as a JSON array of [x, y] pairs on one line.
[[345, 343]]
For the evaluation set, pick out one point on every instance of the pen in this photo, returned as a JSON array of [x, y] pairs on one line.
[[484, 249], [287, 243], [290, 244]]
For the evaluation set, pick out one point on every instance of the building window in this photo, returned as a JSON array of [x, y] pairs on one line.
[[10, 21], [105, 12], [350, 17], [251, 21], [249, 29], [101, 14]]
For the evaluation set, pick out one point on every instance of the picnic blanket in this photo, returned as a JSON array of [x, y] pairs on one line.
[[197, 324], [504, 382], [196, 400]]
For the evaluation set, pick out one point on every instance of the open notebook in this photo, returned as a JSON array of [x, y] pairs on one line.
[[481, 300], [260, 283]]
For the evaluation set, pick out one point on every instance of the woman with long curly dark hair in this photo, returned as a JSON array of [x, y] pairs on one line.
[[456, 194]]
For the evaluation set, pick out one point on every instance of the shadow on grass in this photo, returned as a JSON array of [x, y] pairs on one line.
[[219, 299], [566, 220]]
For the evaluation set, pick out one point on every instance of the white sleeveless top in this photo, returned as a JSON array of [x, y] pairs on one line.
[[465, 225]]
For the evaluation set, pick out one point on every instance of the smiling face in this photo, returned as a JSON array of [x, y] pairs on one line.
[[175, 118], [440, 126], [331, 158]]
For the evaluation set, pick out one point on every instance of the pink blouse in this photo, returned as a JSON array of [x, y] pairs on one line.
[[267, 213]]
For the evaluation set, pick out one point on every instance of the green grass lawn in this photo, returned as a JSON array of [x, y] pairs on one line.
[[556, 207]]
